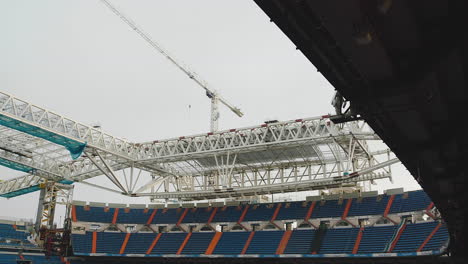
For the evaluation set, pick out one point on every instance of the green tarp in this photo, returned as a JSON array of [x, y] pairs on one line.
[[76, 148]]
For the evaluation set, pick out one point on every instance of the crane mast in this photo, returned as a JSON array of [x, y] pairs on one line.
[[213, 95]]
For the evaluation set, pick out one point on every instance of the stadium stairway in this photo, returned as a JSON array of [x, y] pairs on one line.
[[318, 239]]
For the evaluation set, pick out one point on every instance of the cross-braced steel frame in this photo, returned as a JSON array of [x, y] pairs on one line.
[[295, 155]]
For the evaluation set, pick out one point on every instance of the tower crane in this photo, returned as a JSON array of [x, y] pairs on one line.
[[213, 95]]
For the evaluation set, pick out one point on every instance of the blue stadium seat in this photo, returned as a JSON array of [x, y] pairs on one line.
[[198, 215], [198, 243], [134, 216], [260, 212], [416, 201], [167, 216], [228, 214], [8, 258], [82, 243], [265, 242], [293, 210], [231, 243], [375, 238], [438, 239], [108, 242], [169, 243], [300, 242], [331, 208], [413, 236], [139, 243], [339, 240], [8, 231], [94, 214], [368, 206]]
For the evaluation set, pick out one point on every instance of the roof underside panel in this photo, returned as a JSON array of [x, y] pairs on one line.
[[403, 66]]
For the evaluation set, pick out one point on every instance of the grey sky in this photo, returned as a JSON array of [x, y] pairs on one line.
[[78, 59]]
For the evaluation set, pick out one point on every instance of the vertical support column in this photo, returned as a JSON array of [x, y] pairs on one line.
[[213, 243], [40, 209]]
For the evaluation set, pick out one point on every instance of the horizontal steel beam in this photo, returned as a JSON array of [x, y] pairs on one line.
[[264, 189]]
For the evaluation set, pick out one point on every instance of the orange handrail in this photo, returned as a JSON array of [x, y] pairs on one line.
[[429, 237], [428, 210], [150, 219], [213, 243], [153, 244], [94, 243], [241, 218], [116, 213], [275, 214], [397, 238], [358, 241], [247, 243], [182, 217], [184, 243], [73, 213], [346, 210], [389, 205], [212, 215], [284, 242], [309, 212], [124, 244]]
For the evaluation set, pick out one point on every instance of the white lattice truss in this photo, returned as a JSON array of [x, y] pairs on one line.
[[303, 154]]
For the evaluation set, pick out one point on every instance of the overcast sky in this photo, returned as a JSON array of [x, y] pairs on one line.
[[79, 59]]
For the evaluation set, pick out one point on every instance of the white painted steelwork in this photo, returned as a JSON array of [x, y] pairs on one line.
[[288, 156]]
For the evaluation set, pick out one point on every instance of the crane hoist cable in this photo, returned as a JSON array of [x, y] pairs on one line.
[[213, 95]]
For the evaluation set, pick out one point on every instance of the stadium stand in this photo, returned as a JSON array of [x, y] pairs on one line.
[[231, 243], [395, 224], [12, 258], [264, 242], [407, 202], [15, 246], [300, 242], [9, 231], [335, 241], [339, 240]]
